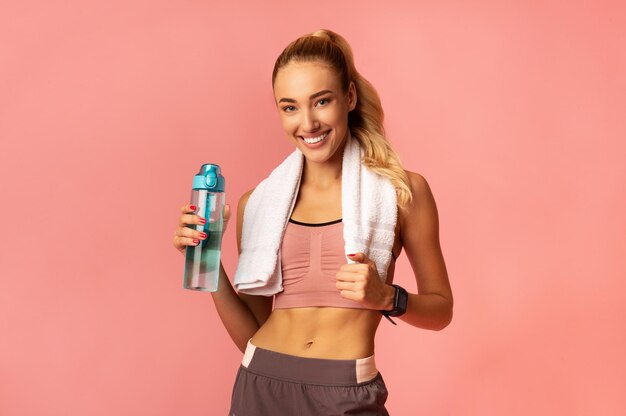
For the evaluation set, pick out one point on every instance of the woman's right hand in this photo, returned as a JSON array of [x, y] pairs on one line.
[[185, 236]]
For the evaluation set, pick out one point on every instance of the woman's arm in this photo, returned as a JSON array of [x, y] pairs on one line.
[[431, 308], [241, 314]]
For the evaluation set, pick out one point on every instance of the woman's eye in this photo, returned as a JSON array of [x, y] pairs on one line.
[[288, 108], [323, 101]]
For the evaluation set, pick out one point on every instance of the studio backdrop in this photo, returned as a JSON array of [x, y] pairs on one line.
[[513, 111]]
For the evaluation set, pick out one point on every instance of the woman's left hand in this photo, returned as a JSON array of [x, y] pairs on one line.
[[360, 282]]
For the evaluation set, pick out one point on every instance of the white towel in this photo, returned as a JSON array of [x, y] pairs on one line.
[[368, 209]]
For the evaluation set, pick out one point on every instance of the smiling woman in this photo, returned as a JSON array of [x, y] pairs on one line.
[[307, 325]]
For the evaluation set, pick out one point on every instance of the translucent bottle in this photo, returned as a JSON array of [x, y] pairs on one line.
[[202, 262]]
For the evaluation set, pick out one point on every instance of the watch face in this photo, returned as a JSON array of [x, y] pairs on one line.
[[400, 301], [404, 297]]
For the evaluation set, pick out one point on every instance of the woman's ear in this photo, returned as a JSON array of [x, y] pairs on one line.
[[352, 98]]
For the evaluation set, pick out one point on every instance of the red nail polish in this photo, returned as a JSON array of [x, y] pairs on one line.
[[193, 207], [202, 221], [352, 254]]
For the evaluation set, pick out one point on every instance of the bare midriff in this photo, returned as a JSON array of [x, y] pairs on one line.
[[321, 332]]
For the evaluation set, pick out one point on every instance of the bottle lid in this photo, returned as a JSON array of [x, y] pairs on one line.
[[210, 178]]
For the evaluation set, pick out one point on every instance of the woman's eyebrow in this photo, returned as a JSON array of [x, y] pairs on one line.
[[312, 96]]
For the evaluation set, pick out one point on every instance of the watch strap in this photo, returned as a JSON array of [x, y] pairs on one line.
[[400, 300]]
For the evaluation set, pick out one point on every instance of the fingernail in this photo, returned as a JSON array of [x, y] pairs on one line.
[[202, 221], [196, 241], [203, 235], [354, 254], [193, 207]]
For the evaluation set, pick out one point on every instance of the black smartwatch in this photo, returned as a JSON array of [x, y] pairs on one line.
[[400, 300]]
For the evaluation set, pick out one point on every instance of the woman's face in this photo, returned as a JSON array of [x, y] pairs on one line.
[[313, 108]]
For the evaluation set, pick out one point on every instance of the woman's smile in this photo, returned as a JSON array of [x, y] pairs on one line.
[[317, 141]]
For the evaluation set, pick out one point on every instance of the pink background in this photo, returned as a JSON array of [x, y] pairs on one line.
[[513, 111]]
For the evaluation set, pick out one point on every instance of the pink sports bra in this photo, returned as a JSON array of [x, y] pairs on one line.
[[311, 255]]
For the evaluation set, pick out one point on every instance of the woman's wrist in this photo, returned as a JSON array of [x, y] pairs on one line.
[[388, 297]]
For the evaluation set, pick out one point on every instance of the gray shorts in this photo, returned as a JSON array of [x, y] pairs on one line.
[[270, 383]]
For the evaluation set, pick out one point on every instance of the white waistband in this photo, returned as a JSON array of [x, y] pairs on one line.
[[247, 356], [365, 369]]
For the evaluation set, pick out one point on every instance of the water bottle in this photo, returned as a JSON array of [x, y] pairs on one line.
[[202, 262]]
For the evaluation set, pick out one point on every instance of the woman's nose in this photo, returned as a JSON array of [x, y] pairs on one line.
[[310, 122]]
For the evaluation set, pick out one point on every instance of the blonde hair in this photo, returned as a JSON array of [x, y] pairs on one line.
[[366, 120]]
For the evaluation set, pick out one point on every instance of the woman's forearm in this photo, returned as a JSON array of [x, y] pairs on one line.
[[428, 311], [236, 316]]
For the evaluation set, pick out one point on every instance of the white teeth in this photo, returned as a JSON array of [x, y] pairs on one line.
[[314, 140]]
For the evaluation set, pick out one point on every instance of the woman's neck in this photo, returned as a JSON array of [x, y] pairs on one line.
[[321, 175]]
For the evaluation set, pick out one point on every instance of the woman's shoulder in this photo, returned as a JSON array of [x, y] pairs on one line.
[[241, 207], [244, 200], [418, 184], [422, 197]]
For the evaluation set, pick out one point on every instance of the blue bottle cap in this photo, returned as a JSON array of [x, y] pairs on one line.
[[210, 178]]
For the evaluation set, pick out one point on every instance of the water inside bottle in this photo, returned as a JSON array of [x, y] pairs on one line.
[[202, 262]]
